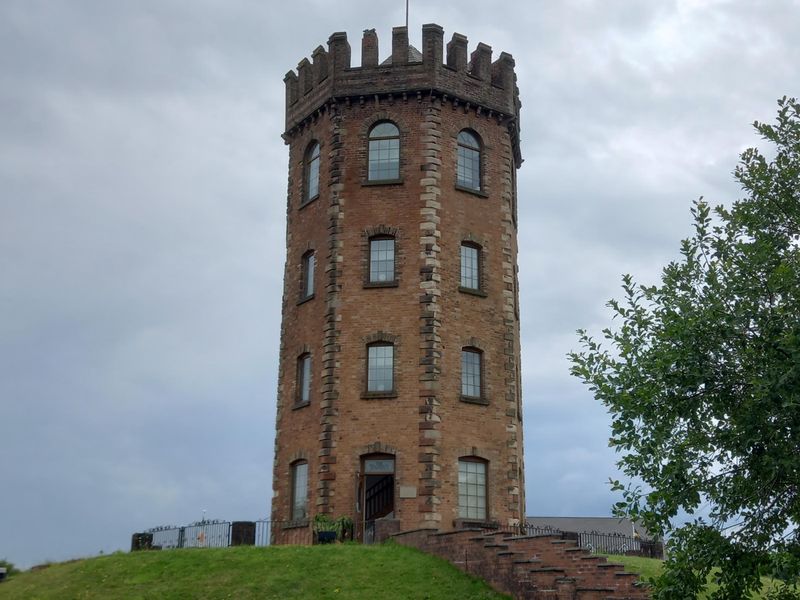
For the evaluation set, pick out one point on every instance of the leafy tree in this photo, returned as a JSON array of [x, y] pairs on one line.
[[702, 378]]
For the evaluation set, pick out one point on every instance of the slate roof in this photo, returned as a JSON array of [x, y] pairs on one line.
[[414, 56]]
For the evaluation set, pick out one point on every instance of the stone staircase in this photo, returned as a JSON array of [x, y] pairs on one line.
[[530, 567]]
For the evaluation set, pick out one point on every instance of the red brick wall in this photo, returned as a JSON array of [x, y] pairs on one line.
[[530, 567]]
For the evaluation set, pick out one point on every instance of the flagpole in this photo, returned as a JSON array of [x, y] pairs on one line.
[[406, 14]]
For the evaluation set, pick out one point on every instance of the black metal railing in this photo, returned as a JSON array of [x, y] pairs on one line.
[[265, 532], [202, 534], [512, 530], [607, 543], [221, 534], [597, 543], [379, 499]]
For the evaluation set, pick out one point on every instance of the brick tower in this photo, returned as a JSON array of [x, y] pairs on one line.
[[399, 377]]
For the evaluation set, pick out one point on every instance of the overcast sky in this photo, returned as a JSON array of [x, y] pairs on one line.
[[142, 220]]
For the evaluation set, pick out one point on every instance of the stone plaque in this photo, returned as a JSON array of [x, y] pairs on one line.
[[408, 491]]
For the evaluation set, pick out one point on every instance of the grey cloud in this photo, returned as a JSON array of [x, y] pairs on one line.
[[142, 217]]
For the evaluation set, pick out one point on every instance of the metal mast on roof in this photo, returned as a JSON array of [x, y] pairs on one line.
[[406, 14]]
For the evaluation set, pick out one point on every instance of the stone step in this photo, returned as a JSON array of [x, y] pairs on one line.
[[593, 593], [535, 567]]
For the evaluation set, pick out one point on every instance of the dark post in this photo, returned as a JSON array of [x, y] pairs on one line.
[[141, 541], [243, 533], [571, 535]]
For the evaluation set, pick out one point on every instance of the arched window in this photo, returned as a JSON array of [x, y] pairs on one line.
[[303, 379], [471, 373], [384, 152], [299, 508], [380, 367], [311, 165], [307, 269], [381, 259], [468, 164], [470, 266], [472, 488]]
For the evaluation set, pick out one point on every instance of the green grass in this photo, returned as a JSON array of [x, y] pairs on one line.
[[349, 571], [651, 567]]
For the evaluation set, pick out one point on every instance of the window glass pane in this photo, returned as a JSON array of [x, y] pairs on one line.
[[381, 260], [470, 273], [465, 138], [468, 161], [468, 168], [384, 465], [471, 373], [305, 378], [384, 152], [471, 495], [384, 130], [300, 491], [380, 369], [308, 276], [384, 159], [312, 173]]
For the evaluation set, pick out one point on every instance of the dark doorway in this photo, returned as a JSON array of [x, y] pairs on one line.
[[376, 492]]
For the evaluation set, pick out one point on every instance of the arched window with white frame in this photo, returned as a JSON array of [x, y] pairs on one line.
[[471, 373], [384, 152], [311, 168], [472, 486], [299, 507], [468, 161]]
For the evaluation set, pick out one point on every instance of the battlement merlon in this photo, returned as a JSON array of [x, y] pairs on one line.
[[474, 80]]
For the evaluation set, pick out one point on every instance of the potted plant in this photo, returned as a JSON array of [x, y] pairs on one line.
[[328, 530], [325, 529], [344, 528]]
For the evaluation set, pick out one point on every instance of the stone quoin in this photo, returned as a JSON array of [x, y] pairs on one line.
[[399, 401]]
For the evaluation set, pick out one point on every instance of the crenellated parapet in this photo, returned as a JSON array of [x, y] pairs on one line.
[[472, 81]]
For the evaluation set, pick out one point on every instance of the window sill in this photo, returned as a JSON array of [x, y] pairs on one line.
[[305, 203], [306, 299], [368, 182], [297, 405], [474, 400], [479, 193], [378, 395], [295, 524], [472, 291], [475, 524], [381, 284]]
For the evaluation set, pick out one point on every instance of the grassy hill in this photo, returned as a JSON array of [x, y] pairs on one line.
[[650, 567], [349, 571], [341, 572]]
